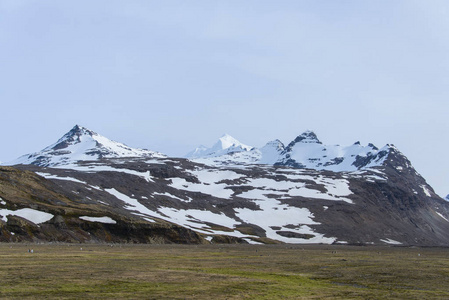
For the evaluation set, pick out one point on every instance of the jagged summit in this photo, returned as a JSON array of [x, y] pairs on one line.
[[81, 144], [374, 147], [74, 136], [307, 137], [80, 129]]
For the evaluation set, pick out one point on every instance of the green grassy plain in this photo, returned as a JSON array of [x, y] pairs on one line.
[[69, 271]]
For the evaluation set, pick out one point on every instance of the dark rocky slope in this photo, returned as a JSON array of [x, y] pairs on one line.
[[24, 189]]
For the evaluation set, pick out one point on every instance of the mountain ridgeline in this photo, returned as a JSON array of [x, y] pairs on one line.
[[306, 152], [87, 188]]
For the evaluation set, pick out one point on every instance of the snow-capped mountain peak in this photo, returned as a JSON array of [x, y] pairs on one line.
[[226, 144], [197, 152], [306, 151], [271, 152], [276, 144], [227, 141], [307, 137], [81, 144], [76, 135]]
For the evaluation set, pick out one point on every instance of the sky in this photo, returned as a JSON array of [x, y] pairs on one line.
[[171, 75]]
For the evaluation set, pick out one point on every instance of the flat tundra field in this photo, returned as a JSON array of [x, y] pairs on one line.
[[101, 271]]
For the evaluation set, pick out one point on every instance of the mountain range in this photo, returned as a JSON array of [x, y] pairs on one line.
[[86, 187], [305, 152]]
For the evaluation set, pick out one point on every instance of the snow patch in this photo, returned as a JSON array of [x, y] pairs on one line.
[[50, 176], [341, 242], [216, 190], [426, 191], [214, 176], [194, 217], [252, 242], [132, 204], [442, 216], [171, 196], [149, 220], [391, 242], [30, 214], [102, 168], [105, 220]]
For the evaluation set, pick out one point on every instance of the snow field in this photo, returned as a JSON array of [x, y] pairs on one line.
[[275, 214], [194, 217], [133, 205], [337, 189], [216, 190], [272, 213]]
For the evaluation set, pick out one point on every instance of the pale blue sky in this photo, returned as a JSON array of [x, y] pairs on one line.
[[170, 75]]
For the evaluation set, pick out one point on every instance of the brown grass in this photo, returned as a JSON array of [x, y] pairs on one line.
[[222, 272]]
